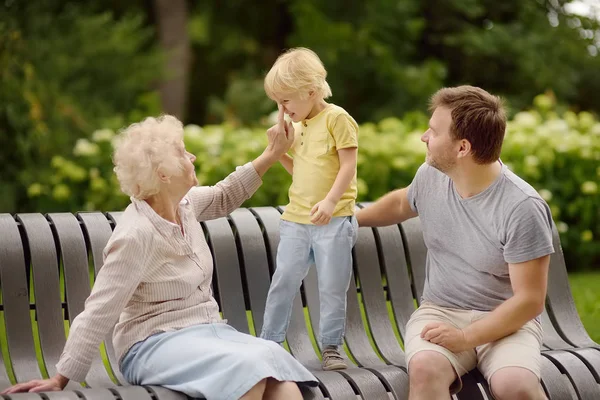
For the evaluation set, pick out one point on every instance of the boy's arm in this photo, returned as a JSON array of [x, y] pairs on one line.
[[288, 163], [322, 211]]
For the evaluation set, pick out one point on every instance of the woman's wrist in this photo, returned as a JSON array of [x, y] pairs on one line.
[[61, 380]]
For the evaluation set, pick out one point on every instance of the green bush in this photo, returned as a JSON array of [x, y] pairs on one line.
[[557, 153]]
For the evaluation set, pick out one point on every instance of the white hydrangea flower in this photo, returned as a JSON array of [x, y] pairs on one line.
[[84, 147], [103, 135]]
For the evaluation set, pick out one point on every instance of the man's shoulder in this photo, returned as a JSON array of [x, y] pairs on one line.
[[428, 174], [517, 186], [518, 194]]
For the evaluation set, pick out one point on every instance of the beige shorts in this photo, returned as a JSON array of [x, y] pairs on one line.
[[521, 349]]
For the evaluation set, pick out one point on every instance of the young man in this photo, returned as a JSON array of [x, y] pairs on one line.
[[489, 239]]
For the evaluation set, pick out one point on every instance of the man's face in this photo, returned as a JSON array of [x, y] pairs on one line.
[[442, 150]]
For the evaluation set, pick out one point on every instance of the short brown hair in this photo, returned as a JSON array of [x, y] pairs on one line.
[[477, 116]]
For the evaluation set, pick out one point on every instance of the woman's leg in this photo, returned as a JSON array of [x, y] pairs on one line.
[[256, 392], [282, 390]]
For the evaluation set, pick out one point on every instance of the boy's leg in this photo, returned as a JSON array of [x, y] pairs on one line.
[[332, 245], [293, 262]]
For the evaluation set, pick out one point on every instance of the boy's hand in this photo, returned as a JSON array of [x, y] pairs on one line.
[[322, 212]]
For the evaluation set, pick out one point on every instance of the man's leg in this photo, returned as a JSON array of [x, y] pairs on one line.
[[293, 262], [434, 371], [516, 383], [511, 365], [431, 374]]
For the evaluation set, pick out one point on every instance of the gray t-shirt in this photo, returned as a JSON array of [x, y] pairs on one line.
[[471, 241]]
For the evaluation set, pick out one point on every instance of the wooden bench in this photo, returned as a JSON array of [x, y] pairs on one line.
[[44, 256]]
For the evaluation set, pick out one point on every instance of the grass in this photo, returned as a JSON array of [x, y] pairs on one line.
[[586, 292], [585, 288]]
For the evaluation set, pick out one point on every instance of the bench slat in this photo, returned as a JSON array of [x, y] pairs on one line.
[[389, 241], [583, 381], [15, 297], [46, 284], [97, 231], [560, 303], [373, 297], [416, 254], [227, 274], [255, 261], [71, 244]]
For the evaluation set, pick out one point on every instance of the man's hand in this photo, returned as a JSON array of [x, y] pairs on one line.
[[447, 336], [54, 384], [322, 212]]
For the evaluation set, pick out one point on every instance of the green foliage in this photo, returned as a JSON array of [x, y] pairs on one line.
[[558, 154], [385, 58], [65, 69]]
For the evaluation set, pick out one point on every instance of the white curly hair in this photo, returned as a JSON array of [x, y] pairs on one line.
[[142, 150]]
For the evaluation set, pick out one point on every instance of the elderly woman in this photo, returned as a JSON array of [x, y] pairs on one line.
[[157, 275]]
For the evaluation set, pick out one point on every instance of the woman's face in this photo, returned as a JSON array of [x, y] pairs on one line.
[[187, 178]]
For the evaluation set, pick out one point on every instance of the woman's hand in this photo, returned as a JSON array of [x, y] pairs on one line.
[[54, 384], [281, 137]]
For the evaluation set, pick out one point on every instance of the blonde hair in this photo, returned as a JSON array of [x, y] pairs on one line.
[[297, 70], [142, 150]]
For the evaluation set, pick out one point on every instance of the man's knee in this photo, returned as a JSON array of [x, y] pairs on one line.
[[516, 383], [426, 367]]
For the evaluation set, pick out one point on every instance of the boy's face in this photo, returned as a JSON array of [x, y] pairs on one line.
[[297, 107]]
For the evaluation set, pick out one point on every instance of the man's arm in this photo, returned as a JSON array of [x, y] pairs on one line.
[[392, 208], [529, 281]]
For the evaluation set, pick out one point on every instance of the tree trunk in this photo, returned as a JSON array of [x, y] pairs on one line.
[[172, 18]]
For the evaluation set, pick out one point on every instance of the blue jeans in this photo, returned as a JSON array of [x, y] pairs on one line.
[[329, 247]]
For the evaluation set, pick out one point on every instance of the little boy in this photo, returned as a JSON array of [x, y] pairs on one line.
[[318, 225]]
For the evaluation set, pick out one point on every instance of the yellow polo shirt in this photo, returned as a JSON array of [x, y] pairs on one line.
[[316, 163]]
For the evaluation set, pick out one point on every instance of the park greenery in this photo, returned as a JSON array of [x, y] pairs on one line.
[[74, 73]]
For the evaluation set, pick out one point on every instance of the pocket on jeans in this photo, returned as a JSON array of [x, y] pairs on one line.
[[353, 228]]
